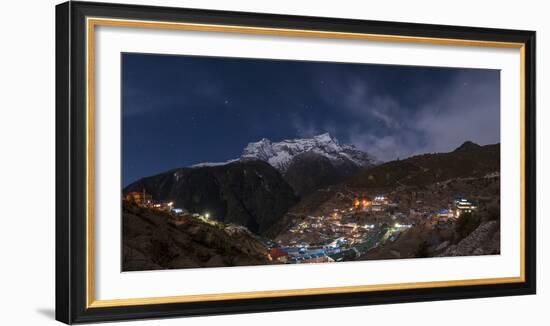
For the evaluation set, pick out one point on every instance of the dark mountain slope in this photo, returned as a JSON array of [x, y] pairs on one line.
[[310, 171], [467, 146], [251, 193], [469, 160], [153, 239]]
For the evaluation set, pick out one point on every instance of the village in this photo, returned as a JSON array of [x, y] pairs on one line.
[[346, 233], [337, 234], [179, 215]]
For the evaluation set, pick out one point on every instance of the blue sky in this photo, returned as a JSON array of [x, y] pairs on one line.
[[182, 110]]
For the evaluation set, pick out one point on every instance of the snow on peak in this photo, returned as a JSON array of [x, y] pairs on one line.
[[325, 138], [208, 164], [280, 154]]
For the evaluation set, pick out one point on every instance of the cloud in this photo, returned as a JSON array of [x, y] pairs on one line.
[[465, 108], [303, 127], [383, 148]]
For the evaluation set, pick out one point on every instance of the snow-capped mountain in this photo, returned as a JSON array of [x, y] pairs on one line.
[[281, 154], [306, 164]]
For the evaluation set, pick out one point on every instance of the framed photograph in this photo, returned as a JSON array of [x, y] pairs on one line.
[[214, 162]]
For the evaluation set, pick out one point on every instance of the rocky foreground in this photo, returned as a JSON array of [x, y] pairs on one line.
[[477, 237], [155, 240], [484, 240]]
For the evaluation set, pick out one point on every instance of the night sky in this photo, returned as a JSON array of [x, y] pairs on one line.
[[182, 110]]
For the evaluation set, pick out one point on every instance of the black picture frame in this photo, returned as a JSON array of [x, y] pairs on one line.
[[71, 155]]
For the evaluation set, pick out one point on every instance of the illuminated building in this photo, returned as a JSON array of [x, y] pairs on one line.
[[462, 206], [140, 198]]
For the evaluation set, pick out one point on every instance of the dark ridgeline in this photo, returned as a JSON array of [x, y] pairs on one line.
[[251, 193], [468, 160]]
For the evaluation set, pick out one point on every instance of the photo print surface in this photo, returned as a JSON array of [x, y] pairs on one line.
[[239, 162]]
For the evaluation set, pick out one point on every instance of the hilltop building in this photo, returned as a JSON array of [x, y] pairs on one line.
[[462, 206], [379, 204], [140, 198]]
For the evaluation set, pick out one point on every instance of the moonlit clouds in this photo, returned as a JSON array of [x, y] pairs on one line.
[[466, 107], [467, 110]]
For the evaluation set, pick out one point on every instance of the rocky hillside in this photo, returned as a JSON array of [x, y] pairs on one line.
[[252, 193], [468, 160], [476, 233], [154, 240], [484, 240], [310, 171]]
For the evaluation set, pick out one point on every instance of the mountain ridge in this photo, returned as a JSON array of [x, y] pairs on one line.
[[280, 154], [465, 161], [252, 194], [467, 146]]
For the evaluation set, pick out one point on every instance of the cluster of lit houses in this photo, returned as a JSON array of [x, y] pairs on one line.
[[304, 253], [458, 207], [348, 237], [144, 199], [345, 247], [377, 204], [351, 237]]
